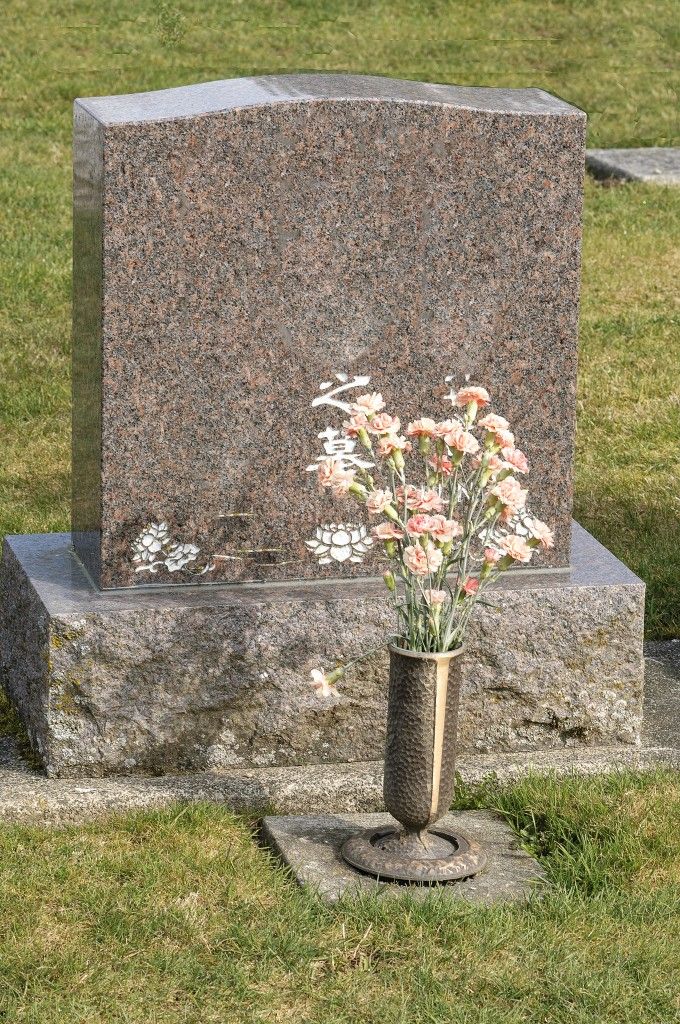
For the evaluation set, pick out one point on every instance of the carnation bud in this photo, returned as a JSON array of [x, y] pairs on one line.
[[390, 548], [390, 581], [364, 438], [358, 491], [470, 412], [398, 460], [391, 513]]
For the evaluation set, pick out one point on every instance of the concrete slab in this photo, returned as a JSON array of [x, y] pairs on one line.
[[657, 164], [310, 846], [28, 796]]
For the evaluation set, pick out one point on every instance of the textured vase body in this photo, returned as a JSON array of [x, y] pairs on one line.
[[422, 719]]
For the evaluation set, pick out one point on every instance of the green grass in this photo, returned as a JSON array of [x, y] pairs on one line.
[[617, 60], [177, 917], [627, 466]]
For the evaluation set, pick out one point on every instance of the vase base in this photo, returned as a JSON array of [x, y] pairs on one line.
[[429, 857]]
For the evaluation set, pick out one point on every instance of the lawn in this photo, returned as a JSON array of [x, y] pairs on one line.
[[177, 917]]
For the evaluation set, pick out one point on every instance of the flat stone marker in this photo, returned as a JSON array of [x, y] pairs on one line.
[[657, 164], [310, 846]]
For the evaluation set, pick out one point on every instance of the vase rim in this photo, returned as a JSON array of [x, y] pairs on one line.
[[427, 655]]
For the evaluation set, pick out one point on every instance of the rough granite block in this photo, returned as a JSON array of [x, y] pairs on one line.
[[238, 243], [656, 164], [181, 679], [310, 846]]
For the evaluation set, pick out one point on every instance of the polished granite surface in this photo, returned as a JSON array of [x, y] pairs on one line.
[[239, 243]]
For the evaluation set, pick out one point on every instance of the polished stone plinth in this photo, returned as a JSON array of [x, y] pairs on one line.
[[176, 679], [310, 846], [239, 243]]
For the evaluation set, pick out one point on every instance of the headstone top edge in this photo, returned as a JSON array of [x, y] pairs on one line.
[[240, 93]]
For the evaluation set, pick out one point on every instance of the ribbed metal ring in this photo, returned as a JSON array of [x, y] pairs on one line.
[[365, 853]]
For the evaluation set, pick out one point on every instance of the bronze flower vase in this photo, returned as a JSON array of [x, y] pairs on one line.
[[422, 720]]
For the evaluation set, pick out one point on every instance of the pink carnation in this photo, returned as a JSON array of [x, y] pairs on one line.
[[471, 586], [492, 555], [411, 494], [422, 561], [462, 440], [368, 404], [377, 501], [517, 548], [443, 529], [510, 494], [332, 474], [383, 423], [441, 464], [444, 426], [493, 463], [387, 531], [472, 394], [505, 439], [419, 524], [392, 443], [435, 598], [515, 459], [421, 428], [420, 499], [541, 532], [492, 423], [427, 500], [356, 423]]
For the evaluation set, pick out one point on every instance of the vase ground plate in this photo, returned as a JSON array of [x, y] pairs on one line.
[[311, 847]]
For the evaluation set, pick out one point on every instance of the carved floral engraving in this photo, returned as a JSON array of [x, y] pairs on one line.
[[155, 549], [340, 542]]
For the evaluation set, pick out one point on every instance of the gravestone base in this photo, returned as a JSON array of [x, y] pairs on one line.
[[310, 846], [216, 678]]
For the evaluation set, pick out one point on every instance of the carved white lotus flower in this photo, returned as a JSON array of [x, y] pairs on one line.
[[340, 542]]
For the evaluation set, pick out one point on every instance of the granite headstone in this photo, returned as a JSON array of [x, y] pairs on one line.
[[238, 244], [246, 252]]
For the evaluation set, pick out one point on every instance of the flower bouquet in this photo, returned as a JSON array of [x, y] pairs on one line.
[[451, 517]]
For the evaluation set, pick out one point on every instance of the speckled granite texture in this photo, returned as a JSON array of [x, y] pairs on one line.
[[240, 242], [218, 678]]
